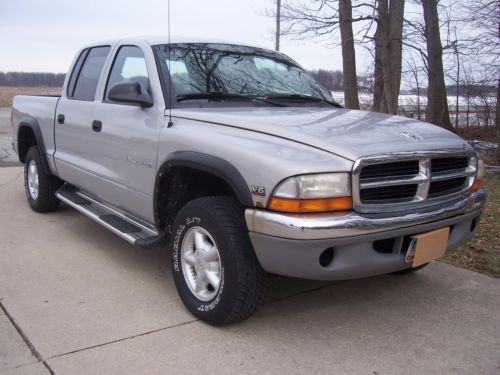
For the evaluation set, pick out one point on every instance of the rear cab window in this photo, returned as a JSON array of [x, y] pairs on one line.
[[85, 76]]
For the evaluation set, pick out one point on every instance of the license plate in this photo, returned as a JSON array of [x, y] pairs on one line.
[[427, 246]]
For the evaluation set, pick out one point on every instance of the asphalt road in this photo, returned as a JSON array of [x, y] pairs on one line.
[[76, 299], [8, 157]]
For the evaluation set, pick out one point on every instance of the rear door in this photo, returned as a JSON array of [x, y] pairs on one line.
[[74, 116]]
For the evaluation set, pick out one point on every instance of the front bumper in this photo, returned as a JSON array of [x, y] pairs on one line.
[[291, 245]]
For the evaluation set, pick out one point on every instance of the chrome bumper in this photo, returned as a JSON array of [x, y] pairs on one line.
[[324, 226]]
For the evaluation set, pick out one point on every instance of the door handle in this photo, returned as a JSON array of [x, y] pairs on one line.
[[60, 119], [96, 125]]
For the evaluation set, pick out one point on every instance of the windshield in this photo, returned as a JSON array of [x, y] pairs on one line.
[[228, 71]]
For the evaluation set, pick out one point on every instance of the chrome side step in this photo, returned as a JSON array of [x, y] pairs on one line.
[[130, 230]]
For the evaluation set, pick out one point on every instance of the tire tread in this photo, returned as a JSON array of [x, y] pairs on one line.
[[46, 200], [249, 286]]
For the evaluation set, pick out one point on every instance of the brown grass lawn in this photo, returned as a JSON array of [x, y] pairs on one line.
[[482, 254], [7, 93]]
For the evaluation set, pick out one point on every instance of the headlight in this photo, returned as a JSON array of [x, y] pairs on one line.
[[313, 193], [478, 182]]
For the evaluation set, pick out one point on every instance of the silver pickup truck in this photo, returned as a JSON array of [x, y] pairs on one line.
[[240, 163]]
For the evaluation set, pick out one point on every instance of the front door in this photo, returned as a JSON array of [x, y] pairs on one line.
[[126, 145]]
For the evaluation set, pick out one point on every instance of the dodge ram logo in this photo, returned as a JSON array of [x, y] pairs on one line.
[[409, 135]]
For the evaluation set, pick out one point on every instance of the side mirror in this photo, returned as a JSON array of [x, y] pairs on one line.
[[130, 92]]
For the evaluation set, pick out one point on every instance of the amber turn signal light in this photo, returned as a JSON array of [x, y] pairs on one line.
[[477, 185], [310, 205]]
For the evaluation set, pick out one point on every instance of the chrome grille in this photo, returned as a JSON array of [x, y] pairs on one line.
[[404, 181], [437, 188], [393, 192], [398, 168], [448, 164]]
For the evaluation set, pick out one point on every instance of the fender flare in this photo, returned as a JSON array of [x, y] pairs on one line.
[[35, 127], [210, 164]]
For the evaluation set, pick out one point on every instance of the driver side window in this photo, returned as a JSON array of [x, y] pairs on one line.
[[129, 65]]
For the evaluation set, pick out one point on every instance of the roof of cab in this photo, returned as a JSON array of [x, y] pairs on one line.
[[174, 39]]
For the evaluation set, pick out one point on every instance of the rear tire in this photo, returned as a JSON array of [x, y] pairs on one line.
[[215, 270], [40, 187]]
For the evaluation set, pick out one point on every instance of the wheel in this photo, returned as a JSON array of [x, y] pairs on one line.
[[40, 187], [410, 270], [215, 270]]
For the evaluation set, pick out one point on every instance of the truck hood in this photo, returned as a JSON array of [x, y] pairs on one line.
[[348, 133]]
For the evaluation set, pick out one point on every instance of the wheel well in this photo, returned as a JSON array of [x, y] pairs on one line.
[[25, 140], [179, 185]]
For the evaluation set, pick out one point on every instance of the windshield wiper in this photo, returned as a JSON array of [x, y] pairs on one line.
[[299, 97], [213, 95], [220, 96]]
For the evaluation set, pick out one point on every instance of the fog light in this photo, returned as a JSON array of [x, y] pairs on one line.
[[473, 225], [326, 257]]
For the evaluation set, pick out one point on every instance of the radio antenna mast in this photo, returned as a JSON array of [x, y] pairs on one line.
[[170, 123]]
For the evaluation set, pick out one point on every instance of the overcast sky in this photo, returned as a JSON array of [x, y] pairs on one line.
[[44, 35]]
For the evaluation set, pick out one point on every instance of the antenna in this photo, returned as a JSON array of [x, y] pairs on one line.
[[170, 123]]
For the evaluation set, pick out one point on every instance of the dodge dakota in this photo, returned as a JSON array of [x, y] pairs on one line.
[[235, 160]]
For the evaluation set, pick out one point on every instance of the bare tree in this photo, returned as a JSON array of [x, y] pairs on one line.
[[484, 15], [29, 79], [321, 18], [326, 19], [456, 53], [331, 79], [388, 55], [466, 57], [497, 111], [415, 71], [437, 103], [278, 24], [348, 55]]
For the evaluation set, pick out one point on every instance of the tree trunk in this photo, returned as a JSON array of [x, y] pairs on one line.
[[392, 71], [278, 24], [379, 103], [497, 112], [418, 95], [457, 103], [467, 114], [437, 103], [388, 55], [348, 55]]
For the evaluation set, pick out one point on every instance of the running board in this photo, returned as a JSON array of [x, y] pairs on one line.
[[132, 231]]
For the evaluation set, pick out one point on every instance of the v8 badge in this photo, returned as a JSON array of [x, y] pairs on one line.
[[258, 190]]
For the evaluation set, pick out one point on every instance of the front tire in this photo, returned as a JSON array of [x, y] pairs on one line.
[[409, 271], [40, 187], [215, 270]]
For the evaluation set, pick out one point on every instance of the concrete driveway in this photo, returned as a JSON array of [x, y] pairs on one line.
[[76, 299]]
